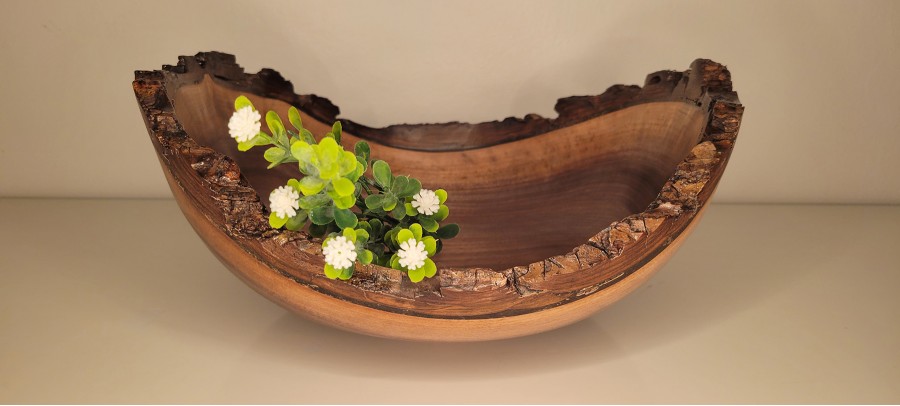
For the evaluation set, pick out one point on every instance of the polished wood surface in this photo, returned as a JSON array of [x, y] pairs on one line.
[[560, 216]]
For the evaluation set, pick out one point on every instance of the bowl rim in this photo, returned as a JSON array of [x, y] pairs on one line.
[[614, 253]]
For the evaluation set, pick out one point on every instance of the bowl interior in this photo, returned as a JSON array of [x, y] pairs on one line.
[[517, 202]]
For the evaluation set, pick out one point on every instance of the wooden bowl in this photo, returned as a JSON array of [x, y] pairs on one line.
[[560, 217]]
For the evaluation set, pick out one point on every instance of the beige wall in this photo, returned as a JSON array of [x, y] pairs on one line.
[[819, 78]]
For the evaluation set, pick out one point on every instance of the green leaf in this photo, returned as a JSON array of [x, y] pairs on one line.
[[429, 269], [382, 172], [294, 183], [343, 187], [308, 169], [395, 262], [378, 252], [355, 175], [417, 275], [345, 218], [331, 193], [336, 131], [365, 257], [348, 163], [245, 146], [428, 224], [448, 231], [322, 215], [347, 273], [390, 201], [317, 230], [374, 201], [259, 139], [413, 187], [302, 151], [331, 145], [416, 230], [361, 234], [399, 184], [283, 140], [410, 211], [274, 155], [311, 185], [390, 238], [241, 102], [441, 214], [440, 245], [345, 202], [404, 235], [332, 273], [399, 212], [362, 150], [262, 138], [349, 233], [297, 222], [430, 245], [313, 201], [307, 137], [294, 118], [275, 221], [376, 226], [329, 154], [329, 170], [442, 195], [275, 125]]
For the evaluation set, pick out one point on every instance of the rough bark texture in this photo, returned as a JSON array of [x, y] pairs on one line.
[[213, 183]]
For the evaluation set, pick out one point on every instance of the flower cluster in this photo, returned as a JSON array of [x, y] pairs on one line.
[[426, 202], [414, 253], [385, 219], [342, 250], [284, 202], [244, 124]]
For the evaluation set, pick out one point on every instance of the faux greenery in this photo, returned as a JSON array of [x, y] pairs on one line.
[[362, 210]]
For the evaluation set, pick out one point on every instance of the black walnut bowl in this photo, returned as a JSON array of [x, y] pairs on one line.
[[560, 217]]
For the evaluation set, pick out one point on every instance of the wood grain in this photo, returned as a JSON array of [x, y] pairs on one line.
[[560, 216]]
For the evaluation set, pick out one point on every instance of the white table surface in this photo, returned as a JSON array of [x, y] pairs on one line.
[[119, 301]]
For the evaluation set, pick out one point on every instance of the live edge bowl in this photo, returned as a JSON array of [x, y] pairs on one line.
[[560, 217]]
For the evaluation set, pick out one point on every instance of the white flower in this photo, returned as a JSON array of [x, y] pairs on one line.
[[244, 124], [284, 202], [339, 252], [412, 254], [426, 202]]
